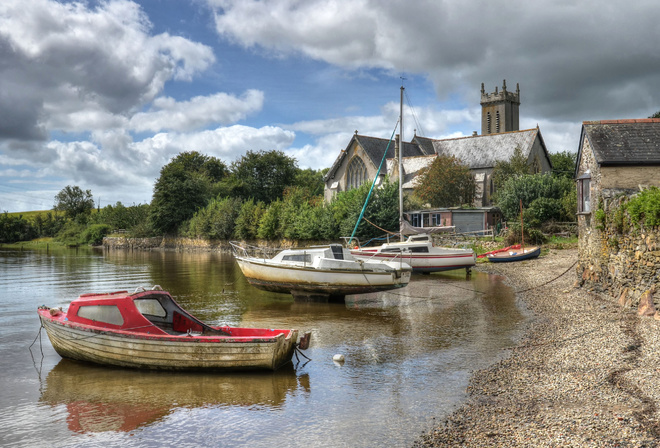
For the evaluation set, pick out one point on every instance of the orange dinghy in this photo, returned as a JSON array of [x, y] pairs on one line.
[[149, 330]]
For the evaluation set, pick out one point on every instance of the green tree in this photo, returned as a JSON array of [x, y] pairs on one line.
[[260, 175], [563, 164], [445, 183], [655, 115], [185, 185], [74, 202], [311, 179], [505, 169], [215, 221], [542, 198], [247, 222], [382, 211]]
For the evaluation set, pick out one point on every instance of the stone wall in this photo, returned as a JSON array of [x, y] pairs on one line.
[[616, 258], [193, 244]]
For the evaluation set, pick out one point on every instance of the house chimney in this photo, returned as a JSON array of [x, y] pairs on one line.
[[474, 133]]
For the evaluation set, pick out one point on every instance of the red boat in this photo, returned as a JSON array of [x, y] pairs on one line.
[[148, 329]]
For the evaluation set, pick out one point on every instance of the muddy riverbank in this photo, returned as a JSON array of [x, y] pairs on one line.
[[585, 374]]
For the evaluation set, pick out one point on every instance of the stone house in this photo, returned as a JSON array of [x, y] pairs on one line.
[[359, 161], [616, 158]]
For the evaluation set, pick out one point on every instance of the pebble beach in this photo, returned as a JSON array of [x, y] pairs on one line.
[[586, 373]]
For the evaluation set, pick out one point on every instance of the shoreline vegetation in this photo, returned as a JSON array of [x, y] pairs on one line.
[[585, 373]]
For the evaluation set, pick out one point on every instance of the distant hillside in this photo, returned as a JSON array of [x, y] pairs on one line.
[[32, 215]]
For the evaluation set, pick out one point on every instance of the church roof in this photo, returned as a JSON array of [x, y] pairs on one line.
[[374, 148], [482, 151], [623, 142], [479, 151]]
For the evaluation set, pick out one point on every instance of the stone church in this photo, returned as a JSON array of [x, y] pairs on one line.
[[500, 136]]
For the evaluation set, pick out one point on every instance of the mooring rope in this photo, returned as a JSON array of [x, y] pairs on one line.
[[421, 299]]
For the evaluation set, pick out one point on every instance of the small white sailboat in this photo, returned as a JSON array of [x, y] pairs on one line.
[[420, 253], [329, 272], [418, 250]]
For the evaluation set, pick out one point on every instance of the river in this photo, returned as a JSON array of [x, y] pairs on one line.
[[408, 356]]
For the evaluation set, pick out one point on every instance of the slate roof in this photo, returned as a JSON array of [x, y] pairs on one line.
[[623, 142], [374, 148], [482, 151], [479, 151], [425, 144]]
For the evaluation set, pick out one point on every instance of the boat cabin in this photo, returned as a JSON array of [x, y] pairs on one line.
[[152, 312]]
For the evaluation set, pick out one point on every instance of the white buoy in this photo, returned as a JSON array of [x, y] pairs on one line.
[[338, 358]]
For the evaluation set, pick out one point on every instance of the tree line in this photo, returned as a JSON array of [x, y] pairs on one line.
[[265, 195]]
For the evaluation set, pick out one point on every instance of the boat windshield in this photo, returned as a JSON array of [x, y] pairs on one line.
[[152, 307]]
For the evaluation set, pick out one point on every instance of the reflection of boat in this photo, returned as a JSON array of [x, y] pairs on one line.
[[420, 253], [108, 399], [519, 254], [148, 329], [329, 271]]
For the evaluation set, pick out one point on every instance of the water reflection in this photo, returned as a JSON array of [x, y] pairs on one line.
[[408, 356], [99, 399]]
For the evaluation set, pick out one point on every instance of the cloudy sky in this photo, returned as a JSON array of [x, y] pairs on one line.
[[102, 94]]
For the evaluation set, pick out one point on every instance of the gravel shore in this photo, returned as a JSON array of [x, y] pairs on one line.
[[586, 373]]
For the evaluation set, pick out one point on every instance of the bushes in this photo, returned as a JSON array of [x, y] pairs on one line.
[[93, 235], [543, 198], [215, 221], [645, 208]]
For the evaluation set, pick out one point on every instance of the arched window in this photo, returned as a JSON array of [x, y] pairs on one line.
[[497, 122], [488, 123], [356, 174]]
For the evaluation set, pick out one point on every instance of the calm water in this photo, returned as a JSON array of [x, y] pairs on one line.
[[409, 354]]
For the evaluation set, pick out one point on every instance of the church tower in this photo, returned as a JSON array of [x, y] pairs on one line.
[[499, 110]]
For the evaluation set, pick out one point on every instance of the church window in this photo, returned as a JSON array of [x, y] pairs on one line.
[[356, 173], [488, 122], [497, 122]]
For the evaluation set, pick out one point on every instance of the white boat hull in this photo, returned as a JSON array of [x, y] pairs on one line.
[[168, 352], [332, 282], [423, 262]]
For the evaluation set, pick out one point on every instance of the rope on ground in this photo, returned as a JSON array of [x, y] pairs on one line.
[[549, 281], [454, 285]]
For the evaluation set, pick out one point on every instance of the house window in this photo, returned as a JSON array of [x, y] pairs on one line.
[[584, 193], [415, 219], [356, 173]]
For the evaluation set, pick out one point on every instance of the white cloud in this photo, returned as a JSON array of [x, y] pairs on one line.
[[68, 67], [200, 111], [570, 58]]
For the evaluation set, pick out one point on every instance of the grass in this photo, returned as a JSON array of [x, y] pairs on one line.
[[31, 215]]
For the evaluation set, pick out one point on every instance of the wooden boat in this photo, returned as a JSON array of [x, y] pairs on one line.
[[149, 330], [320, 272], [522, 253], [420, 253]]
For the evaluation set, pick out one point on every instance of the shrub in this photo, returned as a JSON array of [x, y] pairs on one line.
[[645, 208], [93, 234]]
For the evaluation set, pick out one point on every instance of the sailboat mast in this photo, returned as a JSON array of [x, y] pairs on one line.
[[401, 164]]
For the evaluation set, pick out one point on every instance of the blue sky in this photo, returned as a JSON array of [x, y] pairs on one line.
[[102, 94]]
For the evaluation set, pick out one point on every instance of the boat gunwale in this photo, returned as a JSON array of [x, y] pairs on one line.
[[259, 262], [184, 337]]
